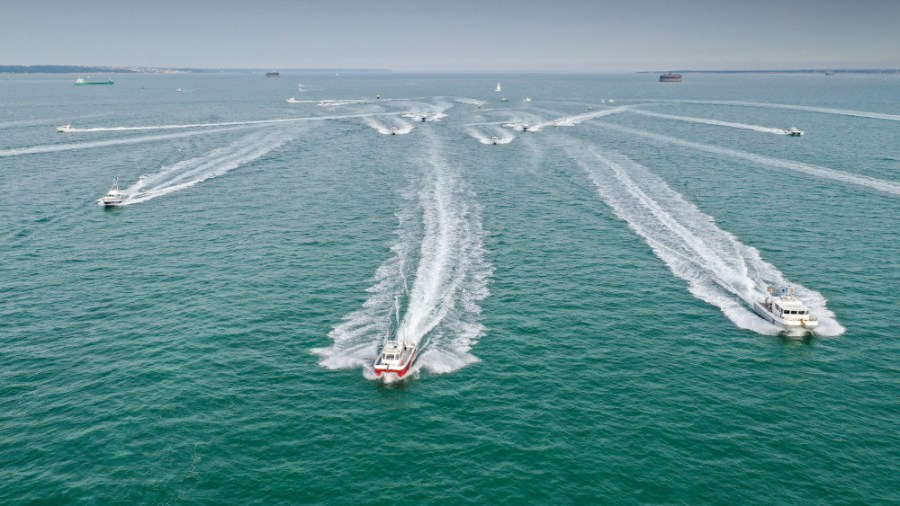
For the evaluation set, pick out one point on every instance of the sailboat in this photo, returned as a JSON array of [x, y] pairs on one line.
[[498, 89]]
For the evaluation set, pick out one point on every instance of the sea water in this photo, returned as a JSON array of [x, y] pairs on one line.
[[580, 292]]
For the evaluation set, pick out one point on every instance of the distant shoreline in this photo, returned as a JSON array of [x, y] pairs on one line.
[[780, 71], [81, 69]]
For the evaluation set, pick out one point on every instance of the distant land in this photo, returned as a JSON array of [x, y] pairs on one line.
[[779, 71], [80, 69]]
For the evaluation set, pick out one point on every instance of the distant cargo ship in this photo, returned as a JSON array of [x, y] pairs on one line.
[[273, 74], [80, 82], [670, 78]]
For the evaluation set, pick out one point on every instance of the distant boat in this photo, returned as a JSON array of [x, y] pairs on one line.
[[498, 89], [113, 197], [556, 124], [293, 100], [504, 99], [378, 96], [670, 78], [829, 73], [64, 129], [80, 82], [393, 130], [794, 132], [179, 90], [494, 140], [526, 99], [424, 117], [273, 74], [524, 127]]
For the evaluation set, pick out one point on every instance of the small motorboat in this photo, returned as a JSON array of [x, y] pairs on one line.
[[424, 117], [114, 197], [525, 127], [395, 358], [794, 132], [393, 130], [495, 140], [179, 90], [526, 99], [504, 99], [782, 309], [64, 129], [378, 97], [292, 100], [556, 124]]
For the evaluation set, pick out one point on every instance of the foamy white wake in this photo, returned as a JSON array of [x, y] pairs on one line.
[[215, 163], [501, 136], [397, 126], [576, 119], [704, 121], [428, 291], [74, 146], [767, 105], [430, 112], [882, 185], [719, 269], [471, 101]]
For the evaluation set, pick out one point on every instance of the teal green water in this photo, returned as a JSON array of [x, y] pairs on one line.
[[579, 293]]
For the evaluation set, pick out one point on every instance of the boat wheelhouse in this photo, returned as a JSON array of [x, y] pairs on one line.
[[794, 132]]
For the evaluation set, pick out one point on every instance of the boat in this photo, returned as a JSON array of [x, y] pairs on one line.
[[378, 97], [524, 127], [526, 99], [64, 129], [495, 140], [292, 100], [794, 132], [80, 81], [504, 99], [556, 124], [393, 130], [179, 90], [669, 77], [498, 89], [273, 74], [424, 117], [395, 358], [113, 197], [782, 309]]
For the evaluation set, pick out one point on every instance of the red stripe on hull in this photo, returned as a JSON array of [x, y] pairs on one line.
[[401, 373]]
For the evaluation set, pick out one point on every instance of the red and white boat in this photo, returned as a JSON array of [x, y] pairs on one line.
[[395, 358]]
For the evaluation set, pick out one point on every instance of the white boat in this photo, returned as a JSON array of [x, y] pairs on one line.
[[395, 358], [495, 140], [393, 130], [794, 132], [424, 117], [782, 309], [113, 197], [179, 90], [498, 89], [504, 99], [524, 127], [292, 100], [526, 99], [64, 129], [556, 124]]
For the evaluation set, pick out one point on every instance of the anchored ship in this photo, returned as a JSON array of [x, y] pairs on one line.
[[669, 77]]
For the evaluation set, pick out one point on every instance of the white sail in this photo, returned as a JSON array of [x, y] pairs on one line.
[[498, 86]]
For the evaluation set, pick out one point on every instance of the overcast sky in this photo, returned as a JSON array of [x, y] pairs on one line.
[[454, 35]]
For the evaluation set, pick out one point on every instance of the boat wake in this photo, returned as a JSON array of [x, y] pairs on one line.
[[576, 119], [881, 185], [215, 163], [430, 112], [428, 291], [399, 126], [497, 136], [74, 146], [806, 108], [718, 268], [704, 121]]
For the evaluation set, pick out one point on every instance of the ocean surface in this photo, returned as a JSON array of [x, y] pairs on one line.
[[580, 291]]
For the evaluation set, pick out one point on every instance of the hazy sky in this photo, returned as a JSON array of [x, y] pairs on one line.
[[454, 35]]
